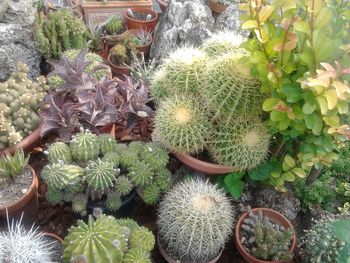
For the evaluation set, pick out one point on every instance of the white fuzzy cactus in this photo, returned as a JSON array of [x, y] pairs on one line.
[[195, 220]]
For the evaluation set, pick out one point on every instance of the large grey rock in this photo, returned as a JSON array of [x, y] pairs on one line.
[[229, 20], [20, 12], [3, 7]]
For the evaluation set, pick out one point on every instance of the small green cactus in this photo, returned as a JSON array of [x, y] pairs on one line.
[[127, 158], [59, 152], [154, 155], [182, 125], [112, 157], [84, 146], [163, 179], [136, 255], [160, 88], [141, 238], [123, 185], [79, 203], [100, 175], [107, 143], [243, 144], [54, 195], [114, 25], [140, 173], [150, 194], [113, 201], [11, 166]]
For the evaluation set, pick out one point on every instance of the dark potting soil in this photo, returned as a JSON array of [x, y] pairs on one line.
[[140, 16], [56, 248], [14, 188]]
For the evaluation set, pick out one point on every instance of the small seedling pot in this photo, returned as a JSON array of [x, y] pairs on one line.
[[139, 24], [27, 144], [274, 217], [118, 71], [169, 259], [202, 166], [216, 7], [28, 204]]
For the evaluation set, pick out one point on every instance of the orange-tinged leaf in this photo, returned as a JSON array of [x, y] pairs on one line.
[[277, 47], [250, 24], [290, 45], [332, 98]]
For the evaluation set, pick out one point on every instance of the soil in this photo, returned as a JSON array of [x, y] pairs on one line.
[[14, 189], [140, 16], [57, 249]]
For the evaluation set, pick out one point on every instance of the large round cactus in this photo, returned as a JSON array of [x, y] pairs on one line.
[[84, 146], [242, 144], [181, 124], [100, 174], [195, 220], [229, 88]]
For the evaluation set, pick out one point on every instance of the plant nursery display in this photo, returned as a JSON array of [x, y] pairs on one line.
[[98, 168], [107, 239], [195, 219], [19, 99]]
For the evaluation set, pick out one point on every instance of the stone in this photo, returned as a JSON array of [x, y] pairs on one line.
[[229, 20], [20, 12], [3, 8], [285, 203]]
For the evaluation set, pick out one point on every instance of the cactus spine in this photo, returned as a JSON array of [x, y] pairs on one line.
[[59, 152], [114, 25], [113, 201], [84, 146], [79, 203], [107, 143], [100, 175]]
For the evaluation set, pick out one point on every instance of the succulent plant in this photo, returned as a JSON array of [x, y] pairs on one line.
[[194, 221], [243, 144], [11, 166], [182, 125], [59, 152], [84, 146], [160, 87], [106, 239], [154, 155], [114, 25], [59, 31], [123, 185], [229, 89], [112, 157], [107, 143], [79, 203], [123, 52], [266, 240], [150, 194], [54, 195], [95, 42], [113, 201], [140, 173], [127, 158], [19, 100], [100, 175], [163, 179]]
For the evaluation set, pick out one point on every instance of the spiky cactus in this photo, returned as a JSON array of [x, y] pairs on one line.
[[186, 218], [127, 158], [79, 203], [141, 238], [160, 88], [229, 89], [54, 195], [150, 194], [140, 173], [113, 201], [84, 146], [163, 179], [19, 100], [123, 185], [182, 125], [112, 157], [114, 25], [223, 42], [154, 155], [100, 175], [243, 144], [107, 143], [59, 152], [136, 255]]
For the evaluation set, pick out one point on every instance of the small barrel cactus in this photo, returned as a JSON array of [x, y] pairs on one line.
[[182, 125], [54, 195], [84, 146], [107, 143], [154, 155], [100, 175], [243, 144], [123, 185], [195, 220], [160, 88], [141, 238], [59, 152], [150, 194], [79, 203], [113, 201], [140, 173], [112, 157], [114, 25], [137, 255]]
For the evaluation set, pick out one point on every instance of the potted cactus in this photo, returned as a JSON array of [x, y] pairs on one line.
[[141, 18], [113, 29], [107, 239], [264, 235], [96, 43], [195, 219], [95, 172], [19, 120], [18, 187]]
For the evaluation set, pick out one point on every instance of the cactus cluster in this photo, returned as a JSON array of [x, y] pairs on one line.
[[264, 239], [114, 25], [124, 51], [19, 100], [88, 168], [59, 31], [107, 239], [194, 221]]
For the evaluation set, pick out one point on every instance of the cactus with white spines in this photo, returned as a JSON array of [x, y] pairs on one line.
[[79, 203], [113, 201], [150, 194], [100, 175], [123, 185], [141, 238], [84, 146], [59, 152], [107, 143], [140, 173], [195, 219], [136, 255]]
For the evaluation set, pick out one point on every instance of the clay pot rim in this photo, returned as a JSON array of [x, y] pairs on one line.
[[47, 234], [282, 219], [142, 10], [26, 198], [216, 7], [202, 166], [170, 260]]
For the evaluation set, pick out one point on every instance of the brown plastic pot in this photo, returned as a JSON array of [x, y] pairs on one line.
[[204, 167], [171, 260], [145, 48], [275, 217], [27, 144], [138, 24], [28, 204], [216, 7], [163, 5], [118, 71], [54, 236]]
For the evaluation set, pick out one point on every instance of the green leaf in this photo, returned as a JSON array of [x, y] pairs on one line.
[[309, 121], [257, 56], [283, 124], [265, 13], [292, 92], [262, 172], [277, 115], [299, 172], [309, 108], [270, 103], [288, 176], [249, 24], [343, 107], [234, 185], [289, 161], [318, 125], [306, 57], [322, 102], [341, 229], [275, 174], [302, 26]]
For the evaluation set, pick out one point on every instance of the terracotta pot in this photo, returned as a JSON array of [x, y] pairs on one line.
[[28, 203], [204, 167], [54, 236], [118, 71], [171, 260], [27, 144], [145, 48], [163, 5], [216, 7], [103, 53], [138, 24], [275, 217]]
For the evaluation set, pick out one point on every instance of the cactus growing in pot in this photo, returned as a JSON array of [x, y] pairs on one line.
[[114, 25], [185, 217]]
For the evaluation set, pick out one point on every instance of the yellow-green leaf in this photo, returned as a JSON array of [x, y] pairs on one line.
[[270, 103], [288, 176], [299, 172], [289, 161], [265, 13], [302, 26], [322, 102], [275, 174], [261, 34], [250, 24], [331, 96], [342, 107], [332, 120]]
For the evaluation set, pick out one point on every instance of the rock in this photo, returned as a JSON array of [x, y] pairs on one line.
[[229, 20], [3, 8], [285, 203], [20, 12]]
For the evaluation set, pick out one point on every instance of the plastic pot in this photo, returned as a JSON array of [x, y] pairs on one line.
[[28, 204], [202, 166], [27, 144], [274, 217], [145, 48], [138, 24], [216, 7], [118, 71], [171, 260], [163, 5]]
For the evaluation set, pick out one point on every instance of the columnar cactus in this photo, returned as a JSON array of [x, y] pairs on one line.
[[100, 175], [243, 144], [181, 124], [84, 146], [59, 152], [19, 100], [195, 220]]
